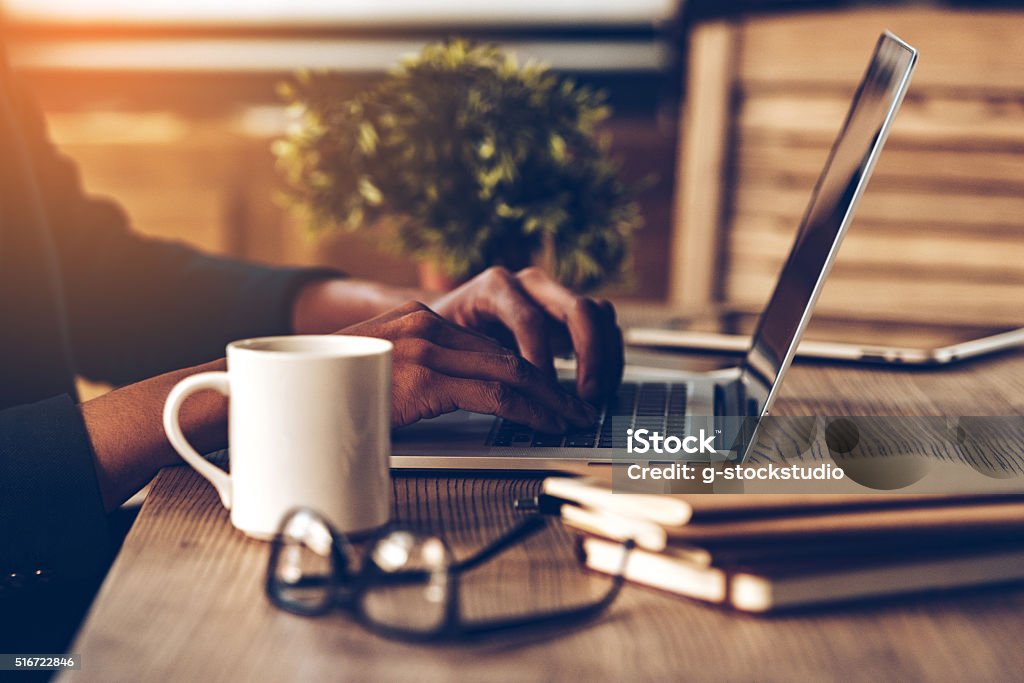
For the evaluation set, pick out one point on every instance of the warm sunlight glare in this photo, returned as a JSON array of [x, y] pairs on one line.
[[302, 11]]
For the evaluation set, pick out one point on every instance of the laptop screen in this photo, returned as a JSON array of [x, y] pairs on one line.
[[832, 204]]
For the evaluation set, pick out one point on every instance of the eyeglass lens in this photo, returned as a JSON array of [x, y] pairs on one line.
[[303, 572], [407, 582]]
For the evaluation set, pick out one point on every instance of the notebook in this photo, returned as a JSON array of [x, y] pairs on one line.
[[803, 578], [977, 520]]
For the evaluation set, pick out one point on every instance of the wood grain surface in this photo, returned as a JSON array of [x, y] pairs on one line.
[[184, 600]]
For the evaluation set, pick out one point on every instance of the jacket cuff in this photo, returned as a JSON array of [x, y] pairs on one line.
[[52, 523]]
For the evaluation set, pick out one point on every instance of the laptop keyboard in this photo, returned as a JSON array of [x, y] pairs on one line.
[[656, 406]]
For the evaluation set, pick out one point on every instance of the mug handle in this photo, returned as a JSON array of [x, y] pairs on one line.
[[218, 381]]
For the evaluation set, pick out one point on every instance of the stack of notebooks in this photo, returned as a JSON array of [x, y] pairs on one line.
[[763, 553]]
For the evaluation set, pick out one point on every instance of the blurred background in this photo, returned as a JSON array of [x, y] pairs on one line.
[[170, 107]]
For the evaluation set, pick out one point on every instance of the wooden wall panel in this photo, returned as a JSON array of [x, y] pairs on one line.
[[959, 48], [940, 233], [701, 180]]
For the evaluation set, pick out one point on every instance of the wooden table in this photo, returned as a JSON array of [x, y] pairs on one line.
[[184, 600]]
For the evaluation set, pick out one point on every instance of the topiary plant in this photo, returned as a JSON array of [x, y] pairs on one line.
[[468, 158]]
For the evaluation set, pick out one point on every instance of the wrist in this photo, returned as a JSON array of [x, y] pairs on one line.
[[127, 434], [326, 306]]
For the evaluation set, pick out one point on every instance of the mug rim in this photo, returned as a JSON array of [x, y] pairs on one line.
[[367, 346]]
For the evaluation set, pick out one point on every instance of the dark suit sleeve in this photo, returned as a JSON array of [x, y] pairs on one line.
[[55, 541], [54, 527], [138, 306]]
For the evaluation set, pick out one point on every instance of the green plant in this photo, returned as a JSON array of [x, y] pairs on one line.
[[468, 159]]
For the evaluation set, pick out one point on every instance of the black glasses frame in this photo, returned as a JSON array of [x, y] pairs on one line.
[[347, 589]]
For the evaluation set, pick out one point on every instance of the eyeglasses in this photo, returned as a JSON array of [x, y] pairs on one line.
[[407, 585]]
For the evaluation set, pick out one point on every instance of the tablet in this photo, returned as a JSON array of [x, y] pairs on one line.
[[728, 332]]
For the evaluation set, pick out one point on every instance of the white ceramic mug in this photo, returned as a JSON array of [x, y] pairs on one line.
[[309, 424]]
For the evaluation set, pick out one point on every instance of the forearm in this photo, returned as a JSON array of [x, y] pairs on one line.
[[127, 435], [126, 427], [330, 305]]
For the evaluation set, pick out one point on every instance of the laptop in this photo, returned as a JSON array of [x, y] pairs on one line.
[[682, 403]]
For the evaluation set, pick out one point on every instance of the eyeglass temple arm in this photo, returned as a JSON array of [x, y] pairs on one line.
[[557, 617], [523, 530]]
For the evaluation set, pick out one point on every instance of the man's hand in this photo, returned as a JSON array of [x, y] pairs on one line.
[[440, 367], [528, 310], [542, 318]]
